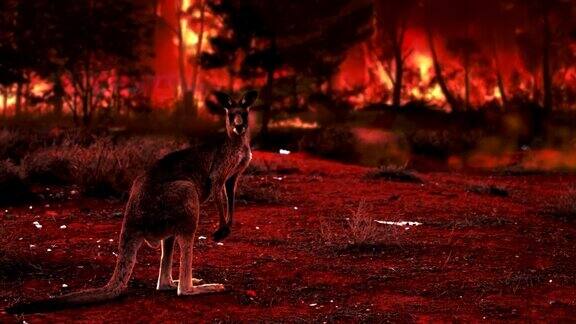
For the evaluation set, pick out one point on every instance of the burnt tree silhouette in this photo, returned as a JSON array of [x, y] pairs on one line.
[[392, 19], [310, 39]]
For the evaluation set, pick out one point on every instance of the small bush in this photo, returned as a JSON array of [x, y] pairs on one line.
[[13, 189], [394, 173], [492, 190], [252, 190], [262, 167], [360, 229], [564, 206], [337, 142], [14, 145], [50, 166]]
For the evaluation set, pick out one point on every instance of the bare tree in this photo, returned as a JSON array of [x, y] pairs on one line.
[[196, 59], [439, 76], [392, 23]]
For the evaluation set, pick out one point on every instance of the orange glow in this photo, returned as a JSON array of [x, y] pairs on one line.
[[40, 87], [424, 64], [293, 123], [11, 100]]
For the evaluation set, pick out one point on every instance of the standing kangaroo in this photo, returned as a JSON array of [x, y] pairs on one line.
[[164, 207]]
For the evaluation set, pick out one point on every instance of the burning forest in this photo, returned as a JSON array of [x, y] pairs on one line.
[[313, 161]]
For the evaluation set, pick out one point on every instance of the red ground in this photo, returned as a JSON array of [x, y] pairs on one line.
[[476, 256]]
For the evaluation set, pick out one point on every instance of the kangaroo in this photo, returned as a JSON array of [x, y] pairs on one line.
[[163, 207]]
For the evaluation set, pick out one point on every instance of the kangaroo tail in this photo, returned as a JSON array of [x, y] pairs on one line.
[[115, 287]]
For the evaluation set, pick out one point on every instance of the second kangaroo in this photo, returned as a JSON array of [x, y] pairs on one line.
[[164, 207]]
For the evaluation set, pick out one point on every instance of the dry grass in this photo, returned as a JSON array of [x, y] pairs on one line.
[[359, 230], [103, 168]]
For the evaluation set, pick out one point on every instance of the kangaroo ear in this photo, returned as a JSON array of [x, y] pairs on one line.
[[223, 99], [248, 99]]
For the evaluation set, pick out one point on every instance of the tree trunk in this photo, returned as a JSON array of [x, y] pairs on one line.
[[501, 88], [266, 114], [499, 76], [439, 76], [182, 61], [86, 109], [58, 90], [18, 104], [466, 83], [5, 103], [196, 66], [546, 69], [399, 75]]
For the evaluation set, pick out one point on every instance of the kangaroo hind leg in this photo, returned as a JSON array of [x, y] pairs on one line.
[[186, 281], [165, 281]]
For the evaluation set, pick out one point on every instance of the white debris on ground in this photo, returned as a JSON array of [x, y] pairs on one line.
[[278, 178], [220, 243], [63, 227], [37, 224], [295, 208], [64, 286], [284, 152], [400, 223], [201, 237]]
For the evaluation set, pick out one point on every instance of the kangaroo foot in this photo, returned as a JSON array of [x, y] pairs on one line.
[[202, 289], [173, 284]]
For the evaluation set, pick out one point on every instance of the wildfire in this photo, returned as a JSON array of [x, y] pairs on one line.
[[424, 63], [296, 122], [7, 101], [40, 87], [191, 36]]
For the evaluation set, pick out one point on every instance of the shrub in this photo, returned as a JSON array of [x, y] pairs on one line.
[[264, 191], [13, 189], [336, 142], [14, 145], [564, 206], [50, 166], [394, 173], [484, 189]]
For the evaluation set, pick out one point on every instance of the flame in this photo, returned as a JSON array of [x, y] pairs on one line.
[[424, 63], [40, 87], [423, 90], [296, 122], [190, 36], [10, 100]]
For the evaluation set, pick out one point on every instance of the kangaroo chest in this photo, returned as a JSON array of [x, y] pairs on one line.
[[236, 163]]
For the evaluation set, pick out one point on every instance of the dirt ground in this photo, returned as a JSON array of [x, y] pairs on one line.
[[492, 255]]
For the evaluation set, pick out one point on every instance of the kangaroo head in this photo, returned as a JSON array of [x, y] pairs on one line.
[[236, 111]]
